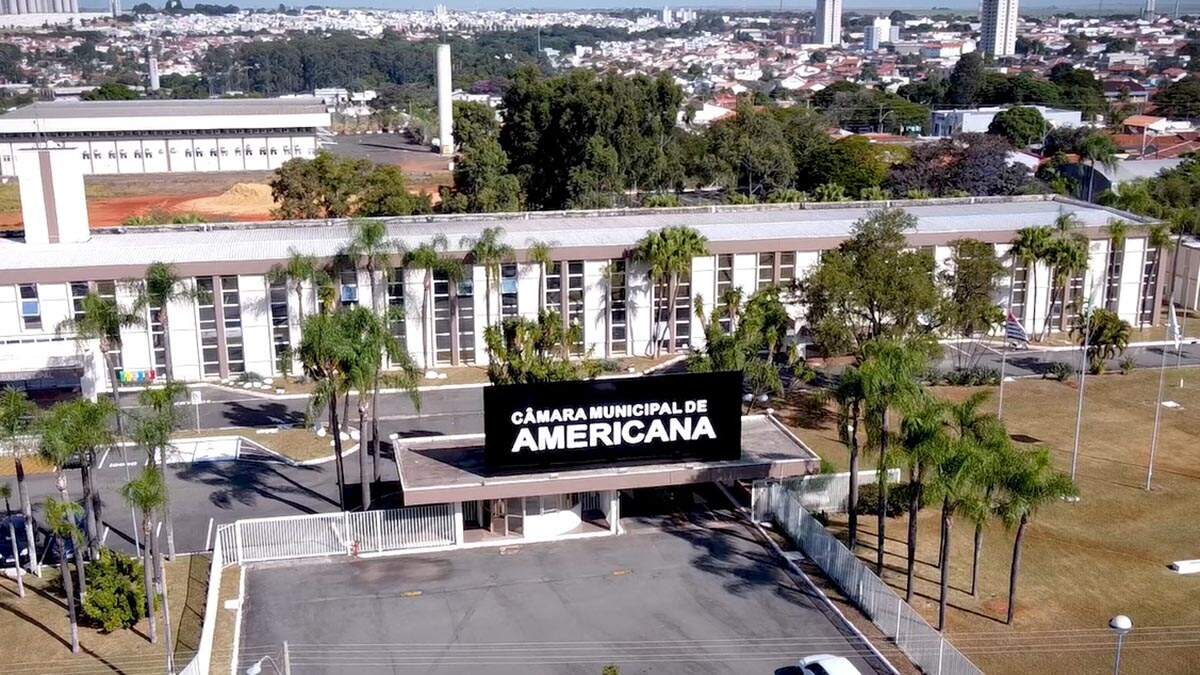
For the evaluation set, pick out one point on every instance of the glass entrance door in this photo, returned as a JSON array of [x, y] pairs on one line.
[[514, 517]]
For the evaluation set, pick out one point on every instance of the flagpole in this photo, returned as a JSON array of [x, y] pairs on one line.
[[1087, 329], [1158, 404], [1179, 344]]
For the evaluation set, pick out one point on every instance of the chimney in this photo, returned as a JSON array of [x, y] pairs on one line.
[[53, 204], [445, 105]]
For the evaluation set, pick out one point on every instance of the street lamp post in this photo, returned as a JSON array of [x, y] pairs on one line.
[[1120, 624]]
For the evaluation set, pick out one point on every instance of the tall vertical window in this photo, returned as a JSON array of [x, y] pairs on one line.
[[1020, 286], [618, 319], [682, 320], [281, 337], [575, 302], [508, 291], [348, 294], [442, 316], [766, 270], [31, 307], [464, 308], [206, 310], [79, 291], [1112, 286], [1149, 286], [1076, 298], [787, 268], [158, 341], [107, 290], [395, 303], [724, 285], [1055, 312], [554, 287], [231, 310]]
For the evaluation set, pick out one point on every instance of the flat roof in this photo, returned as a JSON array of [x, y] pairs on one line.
[[155, 114], [249, 248], [436, 471]]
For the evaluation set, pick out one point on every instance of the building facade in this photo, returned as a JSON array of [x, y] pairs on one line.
[[879, 32], [123, 137], [945, 123], [999, 27], [829, 22], [245, 323]]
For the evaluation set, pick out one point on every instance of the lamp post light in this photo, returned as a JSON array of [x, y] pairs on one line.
[[1120, 624]]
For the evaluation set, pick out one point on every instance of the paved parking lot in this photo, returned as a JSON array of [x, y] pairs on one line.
[[688, 599]]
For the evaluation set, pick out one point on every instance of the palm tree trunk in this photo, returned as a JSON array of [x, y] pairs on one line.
[[91, 518], [852, 523], [364, 475], [975, 558], [541, 288], [168, 366], [914, 505], [1015, 570], [1031, 299], [161, 573], [1091, 180], [12, 539], [69, 587], [944, 562], [671, 286], [148, 574], [27, 511], [300, 303], [79, 569], [166, 507], [362, 432], [337, 451], [430, 361], [882, 483]]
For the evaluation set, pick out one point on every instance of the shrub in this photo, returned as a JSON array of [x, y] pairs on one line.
[[610, 669], [868, 500], [739, 198], [1062, 371], [1127, 365], [787, 196], [971, 377], [659, 201], [115, 597]]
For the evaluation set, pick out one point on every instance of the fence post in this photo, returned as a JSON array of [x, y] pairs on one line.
[[348, 540], [379, 531], [237, 536], [941, 650], [899, 613]]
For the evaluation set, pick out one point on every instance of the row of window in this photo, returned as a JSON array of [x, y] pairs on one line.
[[82, 137], [188, 152]]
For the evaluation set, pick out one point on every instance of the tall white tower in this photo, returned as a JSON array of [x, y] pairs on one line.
[[445, 104], [999, 18], [829, 22], [153, 67], [1149, 13]]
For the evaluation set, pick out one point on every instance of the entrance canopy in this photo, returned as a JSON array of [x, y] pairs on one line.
[[435, 470]]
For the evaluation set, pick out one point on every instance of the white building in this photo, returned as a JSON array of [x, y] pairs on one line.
[[162, 136], [243, 322], [999, 29], [829, 22], [879, 32], [945, 123]]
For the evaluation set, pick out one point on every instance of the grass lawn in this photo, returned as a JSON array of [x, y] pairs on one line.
[[1082, 563], [37, 633], [32, 463], [299, 444]]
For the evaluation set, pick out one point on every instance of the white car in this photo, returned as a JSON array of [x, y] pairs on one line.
[[826, 664]]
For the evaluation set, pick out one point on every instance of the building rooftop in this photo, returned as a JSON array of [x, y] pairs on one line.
[[48, 110], [248, 248], [436, 470]]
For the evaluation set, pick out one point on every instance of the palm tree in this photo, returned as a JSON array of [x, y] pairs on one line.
[[1097, 147], [155, 435], [370, 244], [922, 442], [324, 350], [161, 287], [147, 493], [1066, 257], [1159, 238], [889, 378], [1118, 231], [60, 521], [1032, 483], [6, 493], [366, 336], [1030, 248], [1106, 337], [539, 253], [849, 396], [488, 251], [431, 258], [299, 269], [730, 304], [953, 483], [73, 431], [995, 459], [16, 423], [669, 253]]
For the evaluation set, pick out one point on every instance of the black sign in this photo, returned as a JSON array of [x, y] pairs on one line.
[[664, 418]]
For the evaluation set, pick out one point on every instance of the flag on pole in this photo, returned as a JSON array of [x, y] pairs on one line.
[[1173, 331], [1014, 331]]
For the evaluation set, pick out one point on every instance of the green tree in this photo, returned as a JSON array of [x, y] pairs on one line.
[[969, 282], [72, 432], [324, 352], [1106, 336], [482, 183], [148, 494], [873, 285], [154, 431], [540, 253], [17, 424], [474, 123], [1179, 100], [300, 269], [1020, 125], [749, 151], [385, 192], [432, 259], [668, 252], [1031, 247], [522, 351], [922, 442], [848, 393], [1031, 484], [110, 91], [488, 251], [889, 373], [6, 493], [326, 186], [1099, 148], [60, 522], [953, 484], [162, 286], [965, 80], [1066, 255], [854, 163]]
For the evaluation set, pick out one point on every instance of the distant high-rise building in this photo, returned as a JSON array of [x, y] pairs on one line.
[[666, 14], [999, 18], [829, 22], [879, 32], [1149, 12], [115, 6], [39, 6]]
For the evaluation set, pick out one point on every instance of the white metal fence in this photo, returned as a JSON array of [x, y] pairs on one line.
[[830, 492], [926, 647]]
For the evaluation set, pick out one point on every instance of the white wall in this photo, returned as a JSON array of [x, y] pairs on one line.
[[704, 286], [595, 308], [184, 342], [639, 313], [256, 324]]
